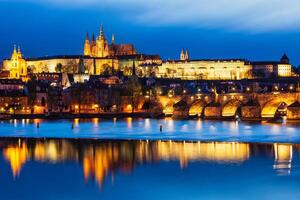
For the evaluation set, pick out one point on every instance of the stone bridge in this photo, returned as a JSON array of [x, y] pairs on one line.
[[248, 106]]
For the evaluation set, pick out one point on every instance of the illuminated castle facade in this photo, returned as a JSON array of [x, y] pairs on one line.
[[100, 56], [100, 48]]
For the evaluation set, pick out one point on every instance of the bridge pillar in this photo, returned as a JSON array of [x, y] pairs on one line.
[[293, 111], [251, 112], [213, 111]]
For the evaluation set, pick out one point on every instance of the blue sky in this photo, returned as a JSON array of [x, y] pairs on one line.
[[256, 29]]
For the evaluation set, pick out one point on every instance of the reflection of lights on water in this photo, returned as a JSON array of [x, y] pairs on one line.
[[95, 122], [147, 124], [114, 120], [99, 161], [234, 125], [283, 158], [199, 124], [15, 123], [170, 123], [76, 121], [275, 128], [129, 122], [284, 118], [185, 127], [212, 128], [37, 121], [17, 157]]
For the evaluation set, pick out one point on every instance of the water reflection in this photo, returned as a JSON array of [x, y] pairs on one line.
[[283, 158], [100, 159]]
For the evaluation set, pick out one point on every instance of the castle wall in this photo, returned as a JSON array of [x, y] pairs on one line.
[[210, 70]]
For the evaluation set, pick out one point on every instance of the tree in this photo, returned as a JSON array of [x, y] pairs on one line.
[[70, 67], [134, 89], [58, 67], [31, 69], [31, 88]]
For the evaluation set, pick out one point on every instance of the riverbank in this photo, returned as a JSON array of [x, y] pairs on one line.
[[75, 116]]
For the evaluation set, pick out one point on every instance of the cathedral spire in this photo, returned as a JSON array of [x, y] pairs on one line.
[[112, 39], [15, 48], [182, 55], [101, 32], [93, 38], [87, 46], [187, 56]]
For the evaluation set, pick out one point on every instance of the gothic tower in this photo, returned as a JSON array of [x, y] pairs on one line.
[[93, 47], [87, 46], [182, 55], [102, 45], [187, 57]]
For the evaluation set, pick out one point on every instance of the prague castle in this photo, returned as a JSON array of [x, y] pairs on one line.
[[99, 56], [101, 48]]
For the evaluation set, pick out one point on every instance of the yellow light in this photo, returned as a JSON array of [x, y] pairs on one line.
[[76, 107]]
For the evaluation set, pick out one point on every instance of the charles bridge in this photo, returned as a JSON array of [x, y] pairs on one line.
[[247, 106]]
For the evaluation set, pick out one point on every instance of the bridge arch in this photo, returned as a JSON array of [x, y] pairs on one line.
[[230, 109], [272, 107], [197, 108]]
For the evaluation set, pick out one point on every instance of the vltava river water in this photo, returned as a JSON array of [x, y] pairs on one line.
[[92, 169], [149, 129]]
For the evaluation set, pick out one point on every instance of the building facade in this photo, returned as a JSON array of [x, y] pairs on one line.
[[281, 68], [16, 65], [205, 69]]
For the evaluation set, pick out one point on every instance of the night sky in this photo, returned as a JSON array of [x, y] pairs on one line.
[[254, 30]]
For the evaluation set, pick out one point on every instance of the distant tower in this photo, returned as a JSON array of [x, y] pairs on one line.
[[93, 47], [182, 55], [87, 46], [102, 49], [101, 32], [285, 59], [187, 57], [112, 39]]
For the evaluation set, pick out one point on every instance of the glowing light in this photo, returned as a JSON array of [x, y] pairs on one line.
[[17, 157]]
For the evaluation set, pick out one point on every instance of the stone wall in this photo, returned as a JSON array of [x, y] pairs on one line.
[[293, 113], [250, 112]]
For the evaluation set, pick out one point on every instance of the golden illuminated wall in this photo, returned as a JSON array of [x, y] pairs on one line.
[[210, 70], [69, 64], [284, 70]]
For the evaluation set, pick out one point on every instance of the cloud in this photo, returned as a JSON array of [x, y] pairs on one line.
[[245, 15]]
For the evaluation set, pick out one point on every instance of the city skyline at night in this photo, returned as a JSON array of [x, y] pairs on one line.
[[59, 29]]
